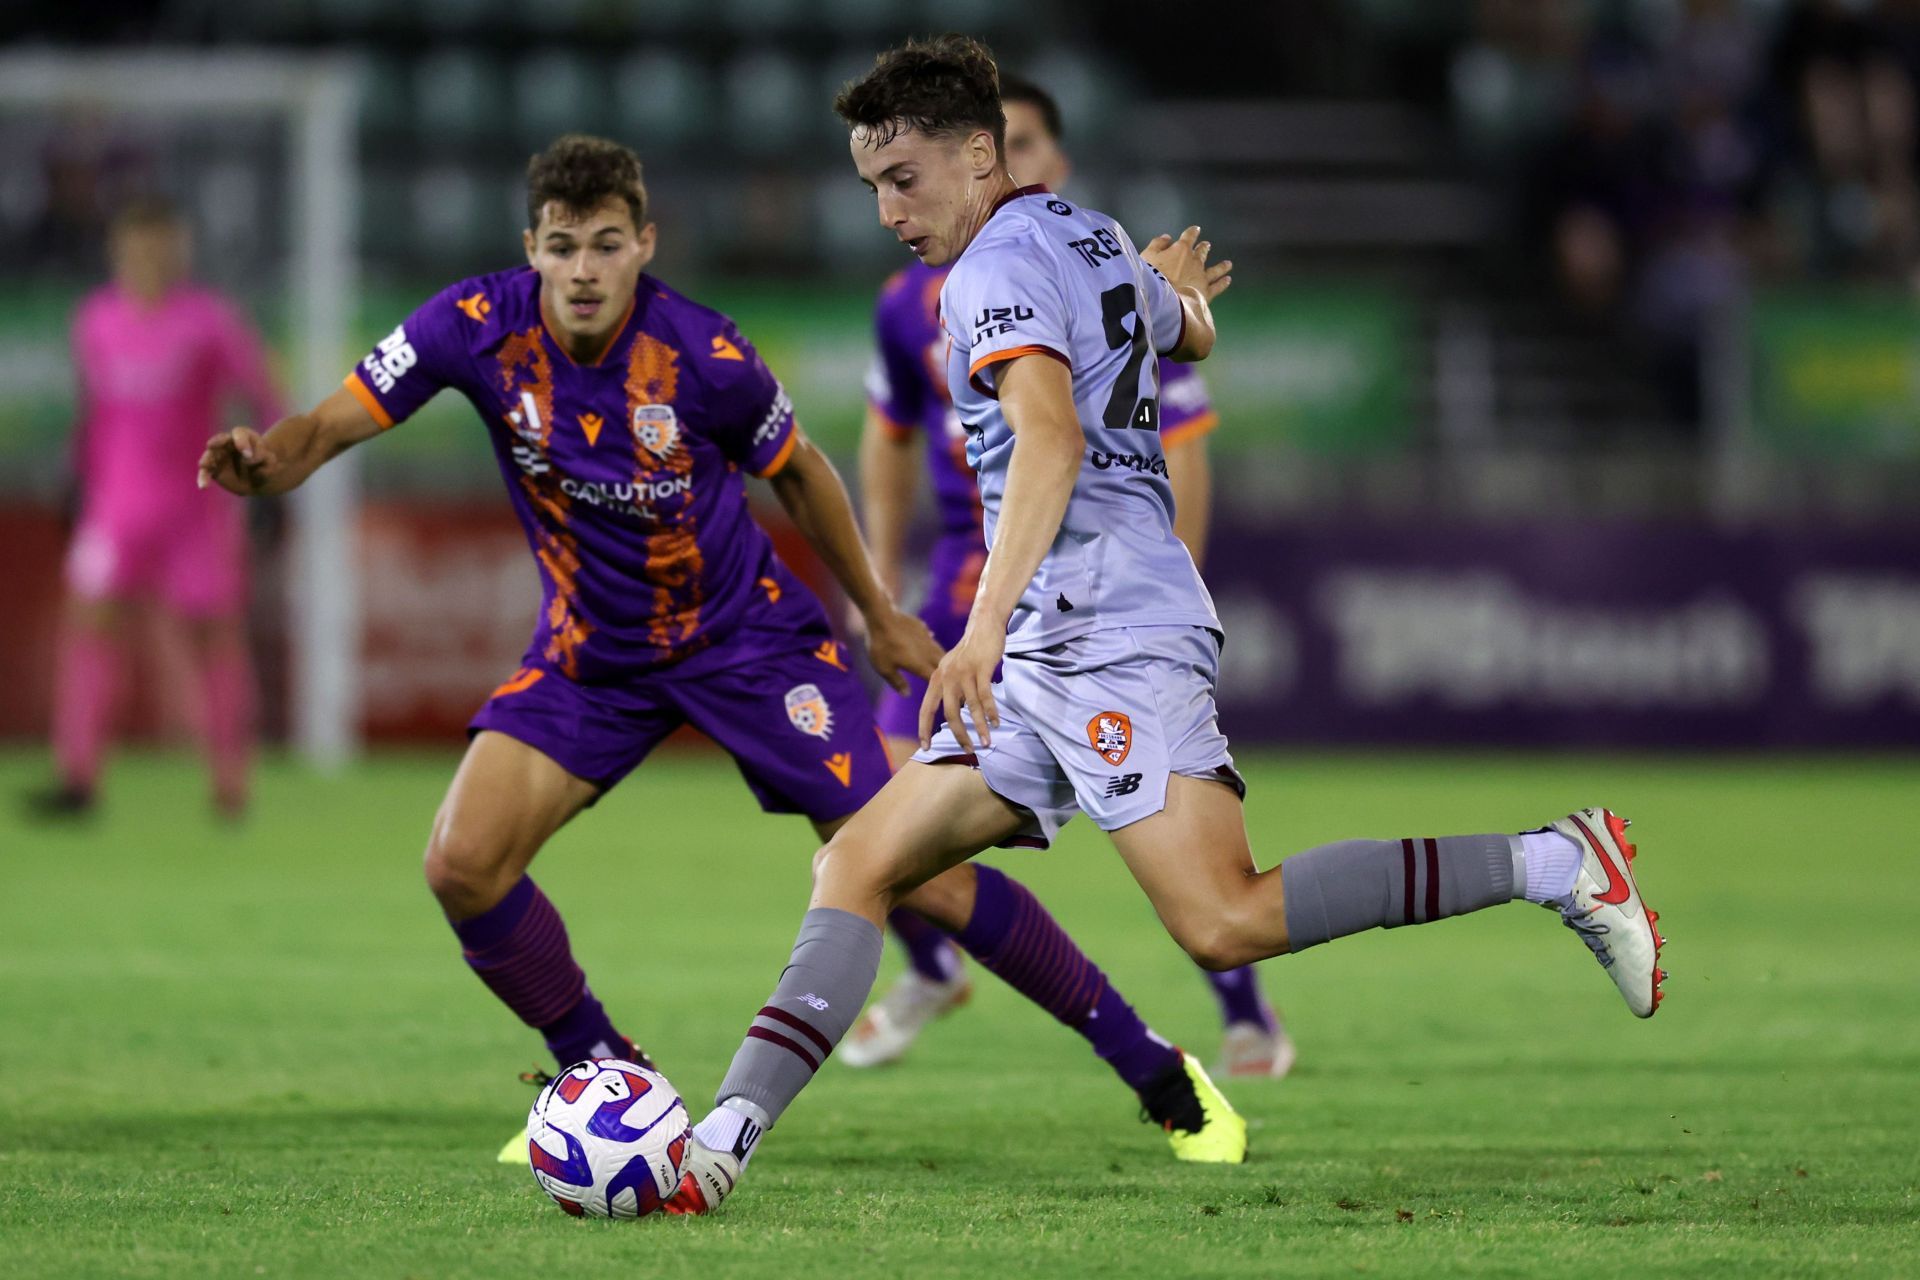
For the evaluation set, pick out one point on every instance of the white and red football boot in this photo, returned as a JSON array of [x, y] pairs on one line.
[[1606, 911], [707, 1177]]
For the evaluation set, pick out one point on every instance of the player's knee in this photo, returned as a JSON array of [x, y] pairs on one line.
[[851, 866], [1219, 942], [462, 871]]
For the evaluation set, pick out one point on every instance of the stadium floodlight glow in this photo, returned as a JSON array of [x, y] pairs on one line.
[[316, 101]]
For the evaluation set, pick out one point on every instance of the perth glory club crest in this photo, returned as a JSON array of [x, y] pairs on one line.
[[808, 711], [657, 428]]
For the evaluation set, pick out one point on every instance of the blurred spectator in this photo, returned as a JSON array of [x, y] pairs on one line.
[[1697, 148], [1852, 97]]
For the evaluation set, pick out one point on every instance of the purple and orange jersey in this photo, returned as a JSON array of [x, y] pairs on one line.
[[907, 388], [624, 473]]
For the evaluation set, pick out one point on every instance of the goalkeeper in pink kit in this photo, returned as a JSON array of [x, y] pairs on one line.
[[157, 358]]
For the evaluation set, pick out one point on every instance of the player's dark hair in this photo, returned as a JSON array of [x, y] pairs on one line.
[[146, 212], [944, 86], [583, 173], [1020, 89]]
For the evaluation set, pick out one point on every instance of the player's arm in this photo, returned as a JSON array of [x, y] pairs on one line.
[[810, 489], [1190, 472], [889, 484], [261, 463], [1036, 396], [1183, 262], [403, 371]]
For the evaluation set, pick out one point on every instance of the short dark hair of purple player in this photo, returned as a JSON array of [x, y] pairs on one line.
[[942, 87], [583, 173], [1020, 89]]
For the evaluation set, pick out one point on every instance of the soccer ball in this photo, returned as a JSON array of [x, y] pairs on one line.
[[606, 1139]]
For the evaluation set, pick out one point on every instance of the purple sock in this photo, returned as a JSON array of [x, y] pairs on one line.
[[518, 947], [1013, 936], [929, 950], [1238, 991]]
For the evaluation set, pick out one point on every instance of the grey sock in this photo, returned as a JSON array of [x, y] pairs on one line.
[[1352, 885], [820, 993]]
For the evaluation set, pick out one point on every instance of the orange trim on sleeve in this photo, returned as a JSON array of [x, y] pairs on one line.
[[781, 458], [368, 401], [1000, 357], [1192, 429]]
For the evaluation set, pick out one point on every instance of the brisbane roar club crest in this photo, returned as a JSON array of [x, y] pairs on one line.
[[656, 428], [1111, 734], [807, 710]]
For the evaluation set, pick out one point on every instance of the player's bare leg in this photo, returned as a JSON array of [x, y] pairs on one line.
[[908, 845], [1193, 860], [934, 984], [999, 922], [1253, 1040], [926, 819], [506, 801]]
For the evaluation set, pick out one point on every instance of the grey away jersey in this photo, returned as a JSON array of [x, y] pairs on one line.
[[1048, 277]]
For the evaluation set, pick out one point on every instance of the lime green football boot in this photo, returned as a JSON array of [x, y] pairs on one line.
[[1201, 1125]]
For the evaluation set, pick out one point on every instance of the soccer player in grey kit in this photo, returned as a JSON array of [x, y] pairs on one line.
[[1110, 642], [623, 416]]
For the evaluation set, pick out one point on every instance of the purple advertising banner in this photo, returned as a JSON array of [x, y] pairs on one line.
[[1594, 635]]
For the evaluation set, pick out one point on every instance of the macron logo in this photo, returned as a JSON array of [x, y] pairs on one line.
[[814, 1002]]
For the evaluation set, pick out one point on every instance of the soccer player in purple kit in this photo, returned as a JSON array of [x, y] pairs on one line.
[[621, 415], [909, 413], [1111, 645]]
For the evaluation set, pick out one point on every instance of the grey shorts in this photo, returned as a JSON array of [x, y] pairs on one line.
[[1098, 724]]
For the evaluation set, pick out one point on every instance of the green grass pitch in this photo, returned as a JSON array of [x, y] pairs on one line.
[[256, 1052]]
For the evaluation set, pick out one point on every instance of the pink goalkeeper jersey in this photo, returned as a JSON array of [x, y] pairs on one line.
[[153, 381]]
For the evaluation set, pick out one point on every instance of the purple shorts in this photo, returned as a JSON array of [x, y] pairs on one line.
[[953, 575], [780, 699]]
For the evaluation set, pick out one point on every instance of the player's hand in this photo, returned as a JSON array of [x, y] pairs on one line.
[[898, 643], [1184, 263], [239, 461], [964, 679]]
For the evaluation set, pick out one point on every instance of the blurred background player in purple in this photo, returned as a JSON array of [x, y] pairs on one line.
[[910, 423], [158, 358]]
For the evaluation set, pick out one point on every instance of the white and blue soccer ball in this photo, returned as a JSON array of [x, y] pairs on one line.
[[607, 1138]]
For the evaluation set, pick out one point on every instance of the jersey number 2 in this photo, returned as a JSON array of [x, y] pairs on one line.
[[1126, 407]]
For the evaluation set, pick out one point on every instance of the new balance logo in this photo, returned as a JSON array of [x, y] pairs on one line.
[[814, 1002], [1123, 785]]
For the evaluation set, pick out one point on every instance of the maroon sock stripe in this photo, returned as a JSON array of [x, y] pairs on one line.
[[1433, 879], [1406, 861], [774, 1037], [786, 1019]]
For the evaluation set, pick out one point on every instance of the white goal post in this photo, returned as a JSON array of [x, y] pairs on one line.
[[316, 101]]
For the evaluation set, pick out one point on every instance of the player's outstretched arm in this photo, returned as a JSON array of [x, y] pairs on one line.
[[262, 463], [889, 482], [810, 489], [1183, 262], [1036, 395]]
